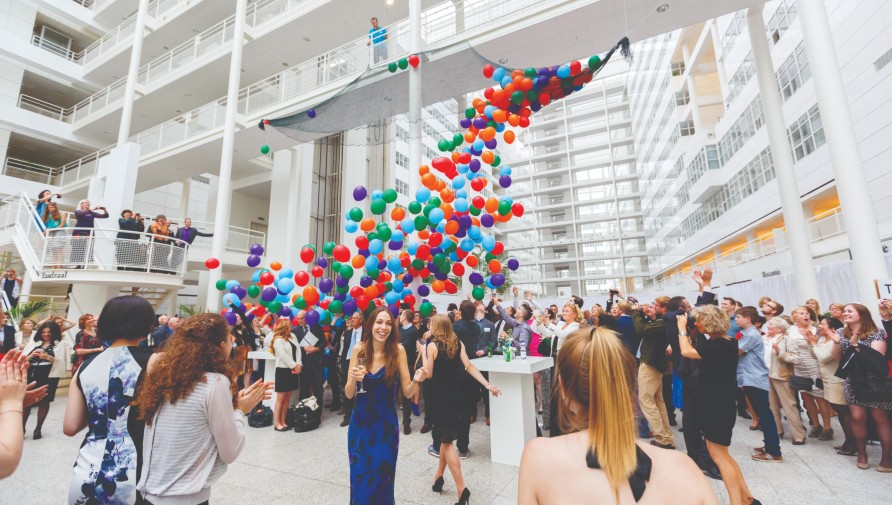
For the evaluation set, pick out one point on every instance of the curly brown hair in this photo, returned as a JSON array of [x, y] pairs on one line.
[[192, 351]]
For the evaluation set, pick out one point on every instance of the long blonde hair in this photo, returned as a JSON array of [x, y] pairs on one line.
[[283, 330], [444, 337], [595, 372]]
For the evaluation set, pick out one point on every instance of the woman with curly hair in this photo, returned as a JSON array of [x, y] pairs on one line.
[[48, 353], [195, 418]]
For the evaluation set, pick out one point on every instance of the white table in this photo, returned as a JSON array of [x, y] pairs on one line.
[[269, 371], [513, 414]]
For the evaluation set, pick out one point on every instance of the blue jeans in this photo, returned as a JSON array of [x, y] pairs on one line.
[[759, 399]]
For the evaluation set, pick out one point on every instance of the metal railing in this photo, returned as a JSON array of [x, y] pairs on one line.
[[81, 168], [88, 248], [22, 169], [120, 34], [52, 47], [43, 108]]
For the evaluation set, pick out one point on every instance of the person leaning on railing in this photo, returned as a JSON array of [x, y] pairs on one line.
[[160, 231], [126, 244], [85, 219]]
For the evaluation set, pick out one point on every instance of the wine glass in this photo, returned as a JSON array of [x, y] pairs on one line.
[[360, 363]]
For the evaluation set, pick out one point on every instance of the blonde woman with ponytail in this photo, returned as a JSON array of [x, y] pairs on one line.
[[285, 348], [600, 460]]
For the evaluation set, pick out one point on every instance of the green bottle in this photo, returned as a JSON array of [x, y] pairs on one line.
[[489, 350]]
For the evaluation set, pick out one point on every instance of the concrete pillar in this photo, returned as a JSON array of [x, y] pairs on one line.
[[719, 59], [25, 291], [781, 154], [185, 195], [854, 196], [133, 72], [224, 194], [693, 102], [113, 187], [355, 172], [289, 205]]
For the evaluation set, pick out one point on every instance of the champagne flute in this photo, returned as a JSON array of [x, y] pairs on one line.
[[360, 363]]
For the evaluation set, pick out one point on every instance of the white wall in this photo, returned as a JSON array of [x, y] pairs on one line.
[[246, 208]]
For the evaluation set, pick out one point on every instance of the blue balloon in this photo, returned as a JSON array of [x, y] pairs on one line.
[[467, 245], [412, 248], [422, 195], [505, 170], [498, 74], [505, 81], [474, 233], [489, 283], [462, 169], [283, 298], [286, 272], [391, 297], [461, 194], [351, 227], [398, 286], [488, 110], [407, 225], [441, 227], [371, 261], [231, 284], [376, 246], [397, 236], [255, 277], [460, 205], [458, 182], [285, 285], [488, 242], [478, 146], [231, 299], [377, 194], [436, 215], [394, 265], [563, 71]]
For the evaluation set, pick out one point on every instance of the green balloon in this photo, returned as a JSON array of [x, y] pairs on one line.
[[391, 66], [336, 306], [457, 140], [326, 317], [478, 293], [221, 285], [346, 271], [264, 149], [435, 201], [417, 264], [470, 112], [373, 235], [475, 211], [384, 232], [311, 246], [263, 303], [533, 95], [329, 246], [496, 161], [300, 303], [426, 309], [427, 210], [389, 195], [414, 207], [504, 207], [530, 72], [388, 286], [490, 257], [342, 289], [355, 215], [253, 291], [275, 306], [491, 123], [420, 222], [374, 273], [403, 63], [444, 145], [517, 97], [594, 62], [439, 258], [336, 266], [450, 247], [378, 206]]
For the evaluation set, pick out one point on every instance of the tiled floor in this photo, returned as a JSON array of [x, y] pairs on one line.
[[308, 468]]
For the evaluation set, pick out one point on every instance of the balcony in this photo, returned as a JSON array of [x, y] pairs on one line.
[[21, 169], [47, 45]]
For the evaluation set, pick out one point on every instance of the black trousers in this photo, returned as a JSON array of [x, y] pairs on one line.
[[485, 393], [334, 379], [407, 410], [693, 436], [667, 395], [312, 377]]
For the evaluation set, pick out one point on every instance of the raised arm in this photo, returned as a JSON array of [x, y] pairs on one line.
[[687, 350]]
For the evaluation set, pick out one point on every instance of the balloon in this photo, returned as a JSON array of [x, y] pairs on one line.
[[359, 193], [341, 253], [488, 71], [475, 278], [494, 266], [513, 264], [230, 318], [306, 254], [311, 113], [403, 63], [378, 207], [426, 309], [269, 294], [301, 278], [326, 285], [478, 293], [264, 149], [285, 286], [231, 300], [256, 249], [414, 60], [253, 291], [391, 67], [355, 214], [266, 278], [276, 266], [312, 318], [212, 263]]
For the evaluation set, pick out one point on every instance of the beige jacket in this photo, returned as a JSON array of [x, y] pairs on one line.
[[782, 361]]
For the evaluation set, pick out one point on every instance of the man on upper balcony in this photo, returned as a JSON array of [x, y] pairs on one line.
[[377, 37], [11, 287], [186, 234]]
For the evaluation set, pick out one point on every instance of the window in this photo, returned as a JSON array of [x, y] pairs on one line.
[[429, 153], [793, 72], [737, 26], [807, 133], [677, 68], [402, 187], [883, 60], [402, 134], [742, 130], [402, 160], [741, 77], [783, 17], [686, 128], [682, 98]]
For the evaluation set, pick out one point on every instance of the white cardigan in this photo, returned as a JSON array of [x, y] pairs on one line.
[[282, 351], [554, 330], [61, 349]]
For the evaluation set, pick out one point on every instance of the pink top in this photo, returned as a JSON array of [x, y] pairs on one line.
[[534, 340]]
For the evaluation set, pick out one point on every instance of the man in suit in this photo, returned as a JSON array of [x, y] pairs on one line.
[[489, 341], [349, 339], [332, 361], [408, 337], [186, 234], [313, 357]]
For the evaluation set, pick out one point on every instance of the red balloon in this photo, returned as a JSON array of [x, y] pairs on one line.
[[435, 239], [488, 70], [341, 253], [464, 158], [324, 304], [317, 271], [498, 249], [356, 291], [410, 299], [423, 252], [575, 67], [405, 261], [362, 242], [443, 164], [477, 184], [362, 301], [458, 269], [488, 93], [414, 60], [478, 201], [306, 254], [266, 278], [301, 278], [212, 263], [451, 288], [517, 209]]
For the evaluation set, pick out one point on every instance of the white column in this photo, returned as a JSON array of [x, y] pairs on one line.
[[781, 154], [414, 97], [25, 292], [289, 204], [224, 194], [185, 195], [719, 59], [854, 196], [133, 72], [693, 100], [355, 172]]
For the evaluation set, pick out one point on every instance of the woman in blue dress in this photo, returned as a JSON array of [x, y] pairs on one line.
[[373, 435]]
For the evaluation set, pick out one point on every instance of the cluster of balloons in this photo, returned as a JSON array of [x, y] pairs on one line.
[[443, 233], [403, 63]]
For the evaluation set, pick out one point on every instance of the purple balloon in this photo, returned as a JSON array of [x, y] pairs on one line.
[[513, 264], [394, 309], [364, 253], [465, 222], [349, 307], [461, 233], [487, 220], [441, 276], [340, 297], [505, 181], [407, 279], [479, 123], [341, 282], [497, 280], [269, 294], [382, 264], [475, 278], [424, 290], [230, 318], [535, 106], [359, 193], [312, 318], [253, 260], [491, 143], [285, 312], [514, 108], [436, 250], [476, 152], [465, 123], [365, 281], [322, 262], [257, 249], [326, 285], [395, 246], [311, 113], [474, 166], [239, 292]]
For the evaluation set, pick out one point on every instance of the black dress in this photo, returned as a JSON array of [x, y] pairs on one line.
[[718, 389], [446, 388], [286, 380]]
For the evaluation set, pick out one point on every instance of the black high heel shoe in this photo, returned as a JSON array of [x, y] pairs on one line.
[[438, 485], [465, 496]]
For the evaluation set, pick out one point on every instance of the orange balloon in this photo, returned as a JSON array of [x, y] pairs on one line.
[[447, 195], [494, 266], [368, 224], [358, 261], [488, 133], [398, 214], [508, 137], [500, 116], [423, 235], [469, 137], [371, 291], [447, 209], [498, 96], [440, 184], [488, 157], [475, 221], [424, 169], [438, 286], [275, 265], [472, 260], [452, 227], [429, 180], [509, 88], [513, 120], [455, 155], [492, 205]]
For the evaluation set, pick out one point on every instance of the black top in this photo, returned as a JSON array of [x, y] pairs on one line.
[[469, 332], [408, 337], [718, 368], [130, 225]]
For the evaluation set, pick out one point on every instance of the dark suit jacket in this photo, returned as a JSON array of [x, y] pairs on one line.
[[490, 337], [193, 232], [346, 337], [470, 334], [301, 332], [408, 337], [130, 225]]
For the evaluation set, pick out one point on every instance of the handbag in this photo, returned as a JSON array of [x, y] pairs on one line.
[[801, 383], [260, 417]]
